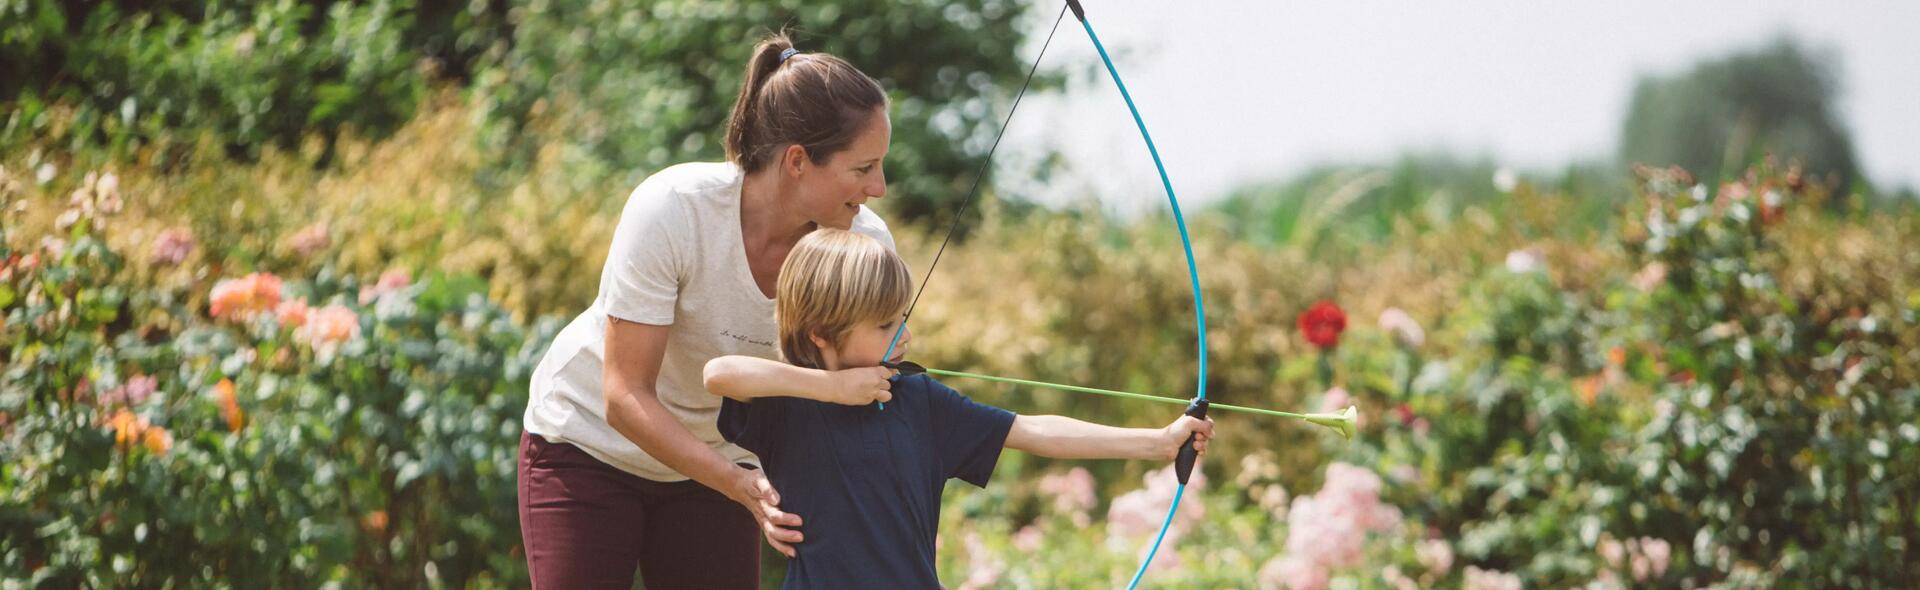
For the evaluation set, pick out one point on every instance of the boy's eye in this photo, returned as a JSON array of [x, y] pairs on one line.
[[886, 326]]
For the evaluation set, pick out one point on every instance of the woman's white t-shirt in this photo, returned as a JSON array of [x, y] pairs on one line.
[[678, 260]]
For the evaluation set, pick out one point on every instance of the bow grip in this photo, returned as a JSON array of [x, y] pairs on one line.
[[1183, 462]]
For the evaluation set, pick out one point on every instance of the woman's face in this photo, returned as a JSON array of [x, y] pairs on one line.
[[831, 191]]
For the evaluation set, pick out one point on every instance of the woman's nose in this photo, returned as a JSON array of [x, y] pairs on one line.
[[878, 188]]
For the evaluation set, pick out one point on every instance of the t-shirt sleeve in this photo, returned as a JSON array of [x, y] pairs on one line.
[[646, 264], [752, 425], [968, 435], [871, 225]]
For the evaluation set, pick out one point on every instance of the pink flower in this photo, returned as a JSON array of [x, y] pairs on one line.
[[1329, 528], [1650, 277], [329, 327], [1029, 538], [1611, 551], [390, 281], [172, 247], [1073, 493], [1405, 330], [134, 392], [983, 571], [1336, 399], [1392, 576], [1648, 557], [1435, 554], [310, 240], [292, 312], [1479, 579], [1294, 574], [1140, 512], [243, 298], [1659, 554]]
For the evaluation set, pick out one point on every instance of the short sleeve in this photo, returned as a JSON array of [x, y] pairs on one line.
[[752, 425], [968, 435], [646, 265]]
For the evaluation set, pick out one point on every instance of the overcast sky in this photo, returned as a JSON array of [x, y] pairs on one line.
[[1239, 91]]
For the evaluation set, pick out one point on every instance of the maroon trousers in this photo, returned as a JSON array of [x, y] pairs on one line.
[[587, 524]]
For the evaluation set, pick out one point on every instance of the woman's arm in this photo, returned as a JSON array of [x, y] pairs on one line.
[[632, 365], [1061, 437], [747, 377]]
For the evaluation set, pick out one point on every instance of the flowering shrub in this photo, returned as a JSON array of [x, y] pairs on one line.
[[1716, 393], [253, 440]]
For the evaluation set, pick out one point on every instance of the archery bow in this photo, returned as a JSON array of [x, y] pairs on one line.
[[1197, 407]]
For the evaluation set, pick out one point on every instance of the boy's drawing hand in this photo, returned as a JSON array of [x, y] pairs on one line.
[[860, 386], [1175, 434], [751, 489]]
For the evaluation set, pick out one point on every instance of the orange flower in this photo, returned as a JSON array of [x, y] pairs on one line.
[[130, 430], [127, 427], [158, 440], [1589, 388], [241, 299], [230, 405]]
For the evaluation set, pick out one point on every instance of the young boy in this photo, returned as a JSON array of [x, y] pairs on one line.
[[867, 481]]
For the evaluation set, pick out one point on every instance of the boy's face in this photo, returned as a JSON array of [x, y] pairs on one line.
[[864, 345]]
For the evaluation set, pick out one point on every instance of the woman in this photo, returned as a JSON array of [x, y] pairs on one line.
[[621, 465]]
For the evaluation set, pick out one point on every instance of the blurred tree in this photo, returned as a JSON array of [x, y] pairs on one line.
[[634, 86], [1726, 113], [621, 88], [248, 74]]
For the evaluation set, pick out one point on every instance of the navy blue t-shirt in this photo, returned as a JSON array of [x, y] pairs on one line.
[[867, 481]]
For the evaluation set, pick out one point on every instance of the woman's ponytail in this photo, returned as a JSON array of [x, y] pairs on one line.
[[764, 63]]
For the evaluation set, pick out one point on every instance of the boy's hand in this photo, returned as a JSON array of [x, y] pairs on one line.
[[751, 489], [1175, 434], [860, 386]]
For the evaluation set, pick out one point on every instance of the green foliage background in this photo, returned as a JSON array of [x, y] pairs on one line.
[[1719, 360]]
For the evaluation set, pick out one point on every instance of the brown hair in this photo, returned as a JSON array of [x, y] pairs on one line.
[[816, 100], [832, 280]]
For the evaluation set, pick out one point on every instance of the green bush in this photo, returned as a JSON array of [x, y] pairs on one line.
[[1742, 397], [150, 443]]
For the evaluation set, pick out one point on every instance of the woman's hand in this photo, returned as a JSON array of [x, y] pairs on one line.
[[859, 386], [751, 489], [1175, 435]]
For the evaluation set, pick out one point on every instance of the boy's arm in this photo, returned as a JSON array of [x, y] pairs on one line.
[[1061, 437], [745, 378]]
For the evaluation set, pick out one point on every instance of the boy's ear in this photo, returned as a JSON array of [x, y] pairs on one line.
[[819, 341]]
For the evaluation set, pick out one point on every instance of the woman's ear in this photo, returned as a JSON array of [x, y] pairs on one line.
[[794, 160]]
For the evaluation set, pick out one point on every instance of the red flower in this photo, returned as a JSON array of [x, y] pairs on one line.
[[1322, 324]]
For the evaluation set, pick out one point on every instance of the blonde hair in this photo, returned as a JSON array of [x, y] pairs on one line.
[[832, 280]]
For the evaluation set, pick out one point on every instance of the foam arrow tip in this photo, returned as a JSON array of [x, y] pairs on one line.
[[1342, 422]]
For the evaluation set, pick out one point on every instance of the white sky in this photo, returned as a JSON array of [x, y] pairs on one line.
[[1238, 91]]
